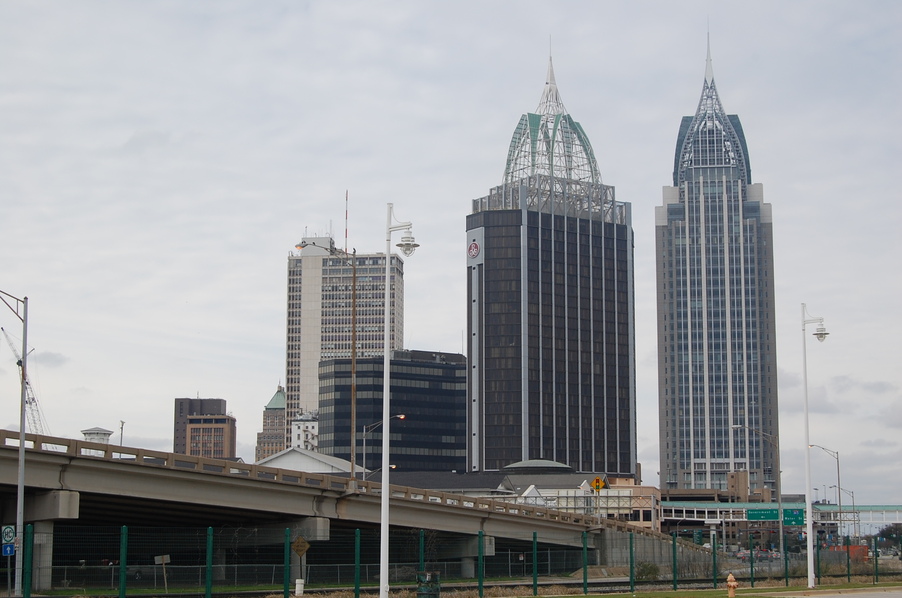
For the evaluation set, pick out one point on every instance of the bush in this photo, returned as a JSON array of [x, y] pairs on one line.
[[647, 572]]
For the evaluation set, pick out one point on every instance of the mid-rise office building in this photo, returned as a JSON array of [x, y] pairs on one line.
[[717, 369], [184, 408], [212, 436], [551, 316], [320, 314], [428, 389], [271, 439]]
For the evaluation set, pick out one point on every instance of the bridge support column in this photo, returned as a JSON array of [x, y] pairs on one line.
[[311, 529], [468, 567], [42, 559]]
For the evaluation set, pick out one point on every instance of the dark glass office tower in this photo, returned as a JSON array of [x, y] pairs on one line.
[[428, 388], [717, 371], [550, 318]]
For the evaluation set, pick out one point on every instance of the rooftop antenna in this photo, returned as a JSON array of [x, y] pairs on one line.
[[346, 221]]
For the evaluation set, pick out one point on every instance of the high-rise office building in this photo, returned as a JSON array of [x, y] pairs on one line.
[[551, 314], [320, 312], [717, 370], [428, 388]]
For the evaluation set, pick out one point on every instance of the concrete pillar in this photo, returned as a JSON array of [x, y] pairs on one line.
[[42, 563], [468, 567]]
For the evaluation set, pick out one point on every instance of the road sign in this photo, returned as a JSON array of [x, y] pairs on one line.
[[9, 534], [300, 546], [9, 549], [793, 516], [597, 484], [763, 515]]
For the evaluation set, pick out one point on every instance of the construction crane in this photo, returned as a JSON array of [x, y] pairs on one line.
[[36, 421]]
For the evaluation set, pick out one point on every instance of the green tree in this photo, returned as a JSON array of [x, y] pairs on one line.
[[890, 536]]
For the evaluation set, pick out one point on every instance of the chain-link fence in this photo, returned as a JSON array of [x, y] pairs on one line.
[[108, 561]]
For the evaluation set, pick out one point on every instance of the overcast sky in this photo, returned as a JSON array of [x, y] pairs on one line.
[[159, 160]]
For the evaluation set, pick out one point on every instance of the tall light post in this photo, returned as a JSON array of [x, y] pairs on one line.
[[351, 260], [367, 476], [774, 442], [835, 455], [20, 308], [855, 531], [820, 335], [407, 247], [366, 430]]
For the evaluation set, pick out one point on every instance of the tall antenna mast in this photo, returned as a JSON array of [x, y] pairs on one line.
[[346, 221]]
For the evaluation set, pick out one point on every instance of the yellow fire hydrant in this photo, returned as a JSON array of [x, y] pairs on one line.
[[732, 584]]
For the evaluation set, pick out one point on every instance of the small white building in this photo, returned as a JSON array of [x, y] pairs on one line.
[[298, 459], [305, 431], [98, 435]]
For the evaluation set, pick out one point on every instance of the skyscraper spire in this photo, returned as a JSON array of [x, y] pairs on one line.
[[712, 138], [551, 98], [549, 142]]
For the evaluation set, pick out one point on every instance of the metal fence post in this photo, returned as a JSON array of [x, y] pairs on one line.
[[632, 566], [785, 562], [752, 558], [585, 563], [817, 554], [848, 560], [714, 558], [123, 560], [535, 564], [286, 564], [876, 568], [422, 550], [673, 559], [357, 563], [480, 573], [208, 591], [27, 560]]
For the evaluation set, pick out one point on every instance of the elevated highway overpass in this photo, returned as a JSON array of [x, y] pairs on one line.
[[93, 484]]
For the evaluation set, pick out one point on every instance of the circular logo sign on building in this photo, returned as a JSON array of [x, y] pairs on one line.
[[473, 250]]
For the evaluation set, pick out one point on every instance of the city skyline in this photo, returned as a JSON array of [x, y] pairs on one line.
[[160, 161]]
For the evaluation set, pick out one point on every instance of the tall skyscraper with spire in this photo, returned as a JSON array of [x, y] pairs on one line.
[[551, 313], [717, 370]]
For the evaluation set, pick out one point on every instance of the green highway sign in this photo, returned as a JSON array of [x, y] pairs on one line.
[[762, 514], [793, 516]]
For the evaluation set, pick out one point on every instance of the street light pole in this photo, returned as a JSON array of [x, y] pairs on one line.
[[855, 533], [821, 334], [407, 246], [835, 455], [20, 482], [774, 442], [366, 430]]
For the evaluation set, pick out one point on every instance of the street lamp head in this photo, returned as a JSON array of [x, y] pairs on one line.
[[821, 333], [402, 416], [300, 245], [408, 245]]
